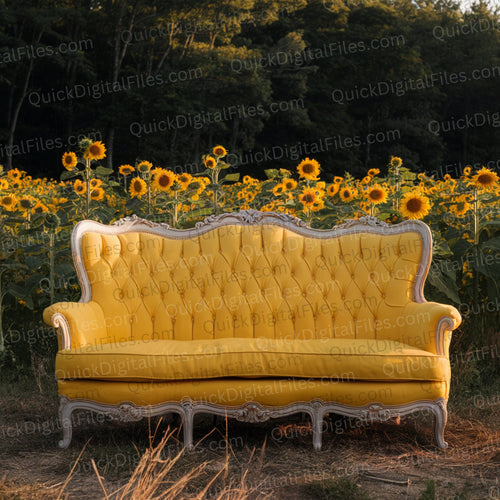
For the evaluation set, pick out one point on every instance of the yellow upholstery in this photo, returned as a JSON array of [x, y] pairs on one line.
[[254, 281], [272, 392], [86, 320], [161, 360]]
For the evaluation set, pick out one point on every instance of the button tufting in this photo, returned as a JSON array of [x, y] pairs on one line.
[[152, 319], [121, 294]]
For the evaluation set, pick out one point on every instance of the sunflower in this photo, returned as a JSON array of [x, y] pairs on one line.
[[138, 187], [97, 194], [126, 170], [309, 169], [8, 202], [317, 205], [366, 180], [95, 183], [247, 179], [4, 184], [421, 177], [185, 179], [376, 194], [309, 197], [15, 173], [278, 189], [249, 196], [414, 205], [289, 184], [346, 194], [26, 203], [484, 179], [163, 179], [373, 172], [69, 160], [333, 189], [337, 179], [467, 171], [144, 166], [79, 187], [396, 161], [40, 208], [95, 151], [210, 162], [267, 208], [219, 151]]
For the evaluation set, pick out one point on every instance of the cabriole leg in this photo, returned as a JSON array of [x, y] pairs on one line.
[[317, 424], [440, 418], [187, 424], [65, 411]]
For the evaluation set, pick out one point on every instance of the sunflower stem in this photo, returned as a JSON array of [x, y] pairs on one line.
[[87, 182], [52, 266], [476, 218]]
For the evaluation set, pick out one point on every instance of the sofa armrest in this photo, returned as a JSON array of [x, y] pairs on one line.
[[428, 326], [79, 323]]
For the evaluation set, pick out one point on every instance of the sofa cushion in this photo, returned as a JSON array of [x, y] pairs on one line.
[[337, 359]]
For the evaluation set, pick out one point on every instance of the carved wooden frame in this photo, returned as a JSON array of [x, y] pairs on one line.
[[251, 411]]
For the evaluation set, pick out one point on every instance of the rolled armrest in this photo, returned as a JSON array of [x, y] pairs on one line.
[[79, 323], [428, 326]]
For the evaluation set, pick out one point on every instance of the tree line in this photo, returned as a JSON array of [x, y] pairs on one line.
[[348, 82]]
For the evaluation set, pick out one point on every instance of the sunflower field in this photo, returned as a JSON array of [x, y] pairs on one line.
[[37, 217]]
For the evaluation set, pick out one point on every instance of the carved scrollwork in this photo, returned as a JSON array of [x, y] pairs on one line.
[[252, 413], [375, 413], [134, 219], [251, 216], [367, 220], [125, 412]]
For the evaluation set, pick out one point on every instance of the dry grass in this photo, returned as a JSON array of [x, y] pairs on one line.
[[387, 460], [154, 477]]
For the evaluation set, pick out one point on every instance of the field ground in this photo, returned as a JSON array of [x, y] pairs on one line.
[[386, 460]]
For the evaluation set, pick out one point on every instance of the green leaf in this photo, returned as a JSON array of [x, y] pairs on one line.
[[69, 175], [103, 171], [271, 173], [493, 244], [449, 286], [232, 177], [489, 223]]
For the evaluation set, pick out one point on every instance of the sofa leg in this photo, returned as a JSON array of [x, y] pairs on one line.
[[440, 418], [65, 411], [317, 424], [187, 424]]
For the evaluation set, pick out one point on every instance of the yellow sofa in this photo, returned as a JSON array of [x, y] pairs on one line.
[[252, 315]]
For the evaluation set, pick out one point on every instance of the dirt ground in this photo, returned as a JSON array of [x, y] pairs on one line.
[[386, 460]]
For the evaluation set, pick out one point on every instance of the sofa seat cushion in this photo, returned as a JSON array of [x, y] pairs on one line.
[[336, 359]]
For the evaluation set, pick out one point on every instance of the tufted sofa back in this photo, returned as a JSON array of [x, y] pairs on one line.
[[251, 280]]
